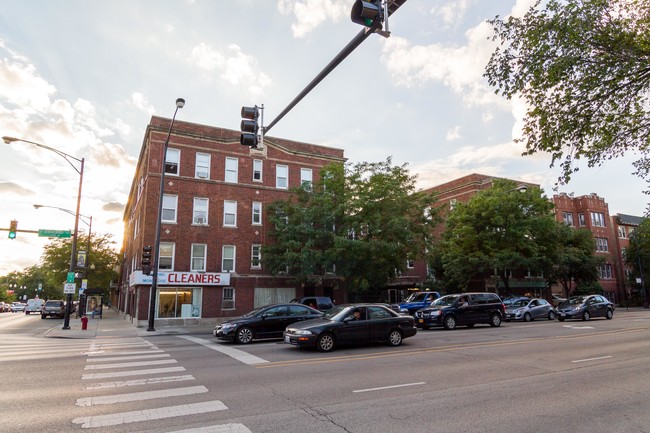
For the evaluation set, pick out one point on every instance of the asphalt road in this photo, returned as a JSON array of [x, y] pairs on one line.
[[522, 377]]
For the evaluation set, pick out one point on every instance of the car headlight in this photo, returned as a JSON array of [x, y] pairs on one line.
[[228, 326], [435, 313], [518, 311], [300, 331], [403, 310]]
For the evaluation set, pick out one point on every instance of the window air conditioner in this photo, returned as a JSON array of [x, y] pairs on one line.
[[199, 220]]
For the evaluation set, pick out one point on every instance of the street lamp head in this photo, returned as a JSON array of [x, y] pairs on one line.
[[180, 103], [8, 140], [522, 188], [38, 206]]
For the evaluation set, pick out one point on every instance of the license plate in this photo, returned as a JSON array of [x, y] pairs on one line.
[[562, 314], [286, 339], [421, 320]]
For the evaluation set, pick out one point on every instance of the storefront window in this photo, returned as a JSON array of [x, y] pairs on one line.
[[179, 302]]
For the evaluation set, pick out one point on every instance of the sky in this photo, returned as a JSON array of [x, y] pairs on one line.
[[85, 77]]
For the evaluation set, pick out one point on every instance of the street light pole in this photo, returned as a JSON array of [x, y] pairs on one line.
[[80, 171], [180, 103]]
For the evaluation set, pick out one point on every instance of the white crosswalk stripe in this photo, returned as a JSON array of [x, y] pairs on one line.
[[24, 348], [139, 354]]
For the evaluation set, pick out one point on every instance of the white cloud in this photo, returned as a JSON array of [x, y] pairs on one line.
[[234, 66], [453, 134], [310, 14], [140, 102], [451, 13]]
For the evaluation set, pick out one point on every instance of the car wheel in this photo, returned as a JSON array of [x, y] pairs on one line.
[[495, 320], [244, 335], [325, 343], [450, 322], [394, 338], [609, 314], [527, 317], [551, 315], [586, 316]]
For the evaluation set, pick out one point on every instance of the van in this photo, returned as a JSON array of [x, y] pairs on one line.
[[465, 309], [34, 306]]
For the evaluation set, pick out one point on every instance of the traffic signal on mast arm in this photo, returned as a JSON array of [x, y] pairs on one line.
[[13, 228], [368, 13], [146, 260], [249, 126]]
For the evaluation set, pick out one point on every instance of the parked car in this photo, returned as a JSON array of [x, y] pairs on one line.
[[557, 300], [528, 309], [466, 309], [338, 326], [53, 308], [34, 306], [17, 306], [269, 321], [415, 302], [4, 307], [585, 307], [322, 303]]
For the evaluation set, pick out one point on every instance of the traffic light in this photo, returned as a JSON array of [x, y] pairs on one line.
[[146, 260], [249, 126], [13, 228], [367, 13]]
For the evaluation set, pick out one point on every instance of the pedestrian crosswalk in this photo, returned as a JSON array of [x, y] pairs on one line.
[[27, 348], [131, 365]]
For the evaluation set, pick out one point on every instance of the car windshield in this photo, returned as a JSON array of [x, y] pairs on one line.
[[575, 300], [445, 301], [416, 297], [520, 303], [337, 313]]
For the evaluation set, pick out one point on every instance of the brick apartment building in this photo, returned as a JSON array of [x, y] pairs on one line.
[[213, 222]]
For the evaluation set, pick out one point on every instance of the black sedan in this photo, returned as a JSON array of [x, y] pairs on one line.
[[352, 324], [585, 307], [264, 322]]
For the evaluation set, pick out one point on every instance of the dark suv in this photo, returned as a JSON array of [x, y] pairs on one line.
[[461, 309], [322, 303], [53, 309]]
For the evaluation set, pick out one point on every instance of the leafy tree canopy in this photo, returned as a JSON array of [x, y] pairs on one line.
[[361, 221], [583, 68]]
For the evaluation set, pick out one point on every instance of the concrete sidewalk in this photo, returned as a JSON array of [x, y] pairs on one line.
[[114, 324]]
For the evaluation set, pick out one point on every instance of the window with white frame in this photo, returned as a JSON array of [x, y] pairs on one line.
[[169, 207], [256, 256], [199, 252], [229, 213], [605, 271], [581, 219], [172, 161], [306, 178], [452, 203], [257, 213], [567, 217], [282, 176], [601, 245], [231, 170], [202, 167], [200, 211], [228, 258], [598, 219], [410, 264], [228, 298], [166, 256], [257, 170], [622, 232]]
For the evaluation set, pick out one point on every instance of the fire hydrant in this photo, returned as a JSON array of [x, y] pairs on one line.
[[84, 323]]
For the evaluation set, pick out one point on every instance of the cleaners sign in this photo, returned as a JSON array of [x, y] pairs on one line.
[[182, 278]]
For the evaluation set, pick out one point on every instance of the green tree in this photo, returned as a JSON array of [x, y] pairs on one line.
[[102, 258], [583, 69], [499, 229], [574, 261], [637, 256], [363, 221]]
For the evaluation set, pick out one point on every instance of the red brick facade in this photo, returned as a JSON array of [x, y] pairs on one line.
[[186, 141]]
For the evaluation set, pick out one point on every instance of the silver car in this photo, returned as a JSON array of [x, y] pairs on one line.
[[527, 309]]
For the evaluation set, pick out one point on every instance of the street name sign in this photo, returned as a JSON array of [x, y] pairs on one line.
[[45, 233]]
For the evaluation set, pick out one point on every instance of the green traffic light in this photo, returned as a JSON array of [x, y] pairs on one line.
[[12, 235], [368, 22], [13, 228]]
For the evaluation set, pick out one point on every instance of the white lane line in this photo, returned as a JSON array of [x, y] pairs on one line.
[[237, 354], [592, 359], [389, 387], [140, 396], [149, 414], [220, 428], [139, 382], [91, 376], [130, 364], [119, 352], [129, 358], [577, 327]]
